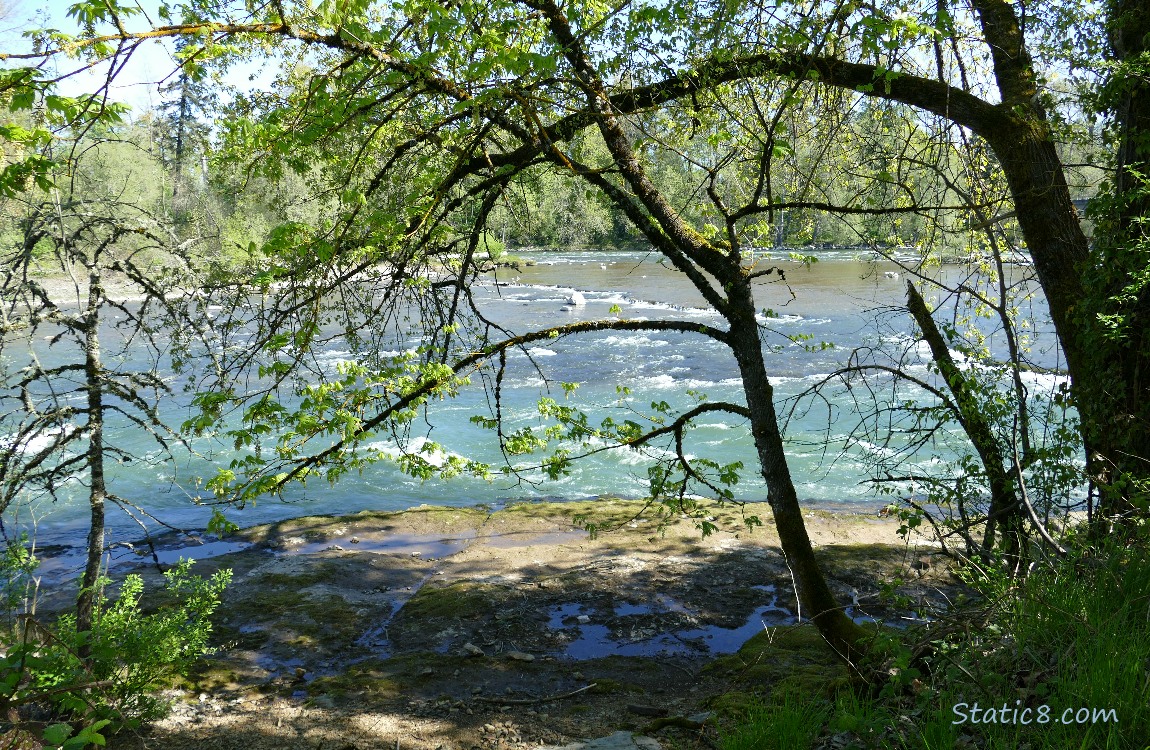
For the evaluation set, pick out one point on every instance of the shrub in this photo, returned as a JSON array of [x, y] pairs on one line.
[[105, 679]]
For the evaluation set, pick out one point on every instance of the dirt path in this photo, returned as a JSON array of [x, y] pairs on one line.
[[456, 628]]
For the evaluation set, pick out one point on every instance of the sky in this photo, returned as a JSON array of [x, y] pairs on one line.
[[139, 82]]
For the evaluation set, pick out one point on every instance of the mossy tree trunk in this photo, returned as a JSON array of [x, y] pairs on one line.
[[1115, 309], [97, 486], [733, 297]]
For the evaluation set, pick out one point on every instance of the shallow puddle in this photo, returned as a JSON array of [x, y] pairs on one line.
[[427, 546], [594, 640], [60, 568], [528, 539], [197, 552]]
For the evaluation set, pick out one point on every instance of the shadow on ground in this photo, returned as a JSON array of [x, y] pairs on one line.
[[455, 628]]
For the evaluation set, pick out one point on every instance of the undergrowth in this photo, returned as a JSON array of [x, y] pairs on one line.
[[71, 689], [1059, 660]]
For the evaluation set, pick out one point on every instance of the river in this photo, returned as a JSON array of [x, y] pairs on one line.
[[842, 300]]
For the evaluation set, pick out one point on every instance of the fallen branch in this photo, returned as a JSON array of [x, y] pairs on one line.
[[531, 701]]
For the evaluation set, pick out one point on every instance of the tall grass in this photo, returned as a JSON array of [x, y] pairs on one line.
[[793, 721], [1071, 644]]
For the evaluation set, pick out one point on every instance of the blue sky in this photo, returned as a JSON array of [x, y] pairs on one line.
[[138, 84]]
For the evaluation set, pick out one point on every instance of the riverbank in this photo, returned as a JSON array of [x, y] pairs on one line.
[[460, 628]]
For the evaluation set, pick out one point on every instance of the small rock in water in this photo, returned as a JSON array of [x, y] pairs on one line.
[[583, 619], [470, 649], [520, 656], [333, 548], [354, 540]]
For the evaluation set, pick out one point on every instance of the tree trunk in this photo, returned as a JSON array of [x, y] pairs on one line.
[[97, 492], [1098, 301], [814, 595], [692, 254], [1005, 512], [1130, 40], [1116, 407]]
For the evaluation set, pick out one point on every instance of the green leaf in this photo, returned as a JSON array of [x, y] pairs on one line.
[[22, 100], [57, 734]]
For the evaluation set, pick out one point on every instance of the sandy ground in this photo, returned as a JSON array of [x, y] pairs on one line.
[[441, 628]]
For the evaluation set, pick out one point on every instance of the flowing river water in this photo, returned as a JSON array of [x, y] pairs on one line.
[[843, 300]]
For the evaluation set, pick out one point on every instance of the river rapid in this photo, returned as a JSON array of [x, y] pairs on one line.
[[845, 300]]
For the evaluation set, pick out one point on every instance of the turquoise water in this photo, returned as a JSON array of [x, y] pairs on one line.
[[842, 299]]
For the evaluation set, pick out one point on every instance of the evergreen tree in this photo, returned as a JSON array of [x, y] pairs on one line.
[[184, 131]]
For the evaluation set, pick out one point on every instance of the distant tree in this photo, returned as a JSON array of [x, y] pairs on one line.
[[184, 122]]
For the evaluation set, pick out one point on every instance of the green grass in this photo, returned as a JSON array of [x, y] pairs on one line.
[[1072, 636], [794, 721]]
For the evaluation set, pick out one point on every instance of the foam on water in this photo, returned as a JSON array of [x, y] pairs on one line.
[[832, 298]]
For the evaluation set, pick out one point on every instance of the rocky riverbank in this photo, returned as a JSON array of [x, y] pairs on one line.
[[461, 628]]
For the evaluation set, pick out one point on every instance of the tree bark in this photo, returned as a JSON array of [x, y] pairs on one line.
[[97, 491], [813, 593], [1116, 309]]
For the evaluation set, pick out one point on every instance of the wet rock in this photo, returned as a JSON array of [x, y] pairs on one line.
[[583, 619], [470, 649], [519, 656], [19, 739]]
